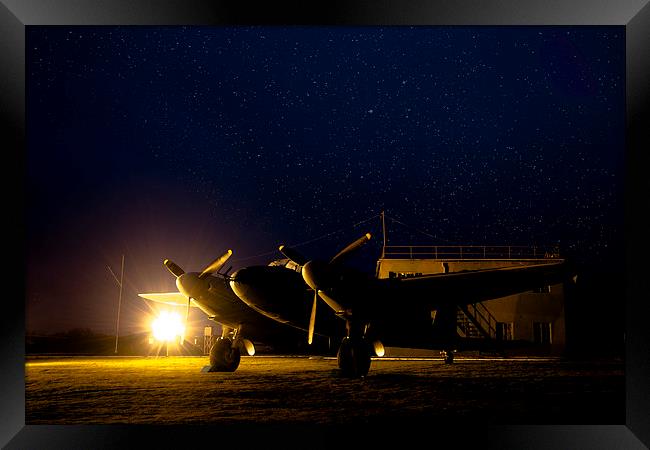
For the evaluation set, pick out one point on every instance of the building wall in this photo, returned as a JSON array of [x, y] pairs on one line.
[[522, 310]]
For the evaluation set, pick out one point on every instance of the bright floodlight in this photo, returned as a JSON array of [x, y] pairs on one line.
[[167, 326]]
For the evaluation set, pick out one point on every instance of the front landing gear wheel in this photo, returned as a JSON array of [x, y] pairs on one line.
[[354, 358], [223, 357]]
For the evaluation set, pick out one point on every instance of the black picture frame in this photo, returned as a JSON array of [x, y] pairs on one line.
[[15, 15]]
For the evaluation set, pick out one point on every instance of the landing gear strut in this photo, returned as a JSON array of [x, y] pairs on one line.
[[354, 357], [224, 357], [355, 351], [224, 354]]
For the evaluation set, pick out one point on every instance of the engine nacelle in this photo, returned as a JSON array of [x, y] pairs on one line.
[[378, 348], [246, 345]]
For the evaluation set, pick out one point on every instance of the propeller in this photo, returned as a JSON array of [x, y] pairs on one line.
[[318, 274], [293, 255], [312, 319], [173, 268], [215, 265], [187, 317], [350, 248], [178, 272]]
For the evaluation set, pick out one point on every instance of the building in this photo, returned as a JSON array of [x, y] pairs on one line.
[[531, 323]]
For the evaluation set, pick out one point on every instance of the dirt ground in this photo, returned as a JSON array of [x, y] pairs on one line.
[[266, 389]]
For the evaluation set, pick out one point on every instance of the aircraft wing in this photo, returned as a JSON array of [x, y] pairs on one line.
[[475, 286], [168, 298]]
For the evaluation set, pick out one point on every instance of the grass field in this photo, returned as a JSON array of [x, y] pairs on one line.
[[264, 389]]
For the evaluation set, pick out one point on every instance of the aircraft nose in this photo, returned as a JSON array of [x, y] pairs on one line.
[[243, 281], [253, 286], [240, 276], [276, 292]]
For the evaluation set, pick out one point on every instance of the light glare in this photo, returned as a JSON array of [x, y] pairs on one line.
[[167, 326]]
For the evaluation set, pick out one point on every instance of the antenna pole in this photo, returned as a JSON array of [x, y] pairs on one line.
[[119, 306], [383, 228]]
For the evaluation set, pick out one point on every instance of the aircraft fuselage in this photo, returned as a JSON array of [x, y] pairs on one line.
[[215, 298], [281, 295]]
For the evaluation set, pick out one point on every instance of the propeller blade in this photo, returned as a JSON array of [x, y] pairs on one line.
[[173, 268], [350, 248], [187, 316], [312, 319], [216, 264], [293, 255]]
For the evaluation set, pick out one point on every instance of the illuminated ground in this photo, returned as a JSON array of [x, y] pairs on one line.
[[268, 389]]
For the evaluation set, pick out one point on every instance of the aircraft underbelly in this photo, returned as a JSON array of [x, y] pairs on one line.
[[227, 309]]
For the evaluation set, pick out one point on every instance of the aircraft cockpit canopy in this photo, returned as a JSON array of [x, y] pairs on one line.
[[285, 263]]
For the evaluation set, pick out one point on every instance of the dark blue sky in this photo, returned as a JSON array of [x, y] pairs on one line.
[[183, 142]]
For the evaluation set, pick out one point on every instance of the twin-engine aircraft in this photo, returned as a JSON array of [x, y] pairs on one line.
[[210, 291], [274, 302], [413, 312]]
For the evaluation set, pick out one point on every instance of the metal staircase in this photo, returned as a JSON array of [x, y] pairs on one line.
[[475, 321]]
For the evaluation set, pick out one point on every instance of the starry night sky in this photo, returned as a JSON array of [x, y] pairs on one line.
[[174, 142]]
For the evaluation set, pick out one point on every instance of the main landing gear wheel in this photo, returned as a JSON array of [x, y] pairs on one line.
[[354, 358], [223, 356], [449, 356]]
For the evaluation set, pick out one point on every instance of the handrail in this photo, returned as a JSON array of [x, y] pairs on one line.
[[492, 329], [482, 320], [469, 252]]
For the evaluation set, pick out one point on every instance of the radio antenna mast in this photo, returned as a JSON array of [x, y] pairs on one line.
[[383, 228], [119, 301]]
